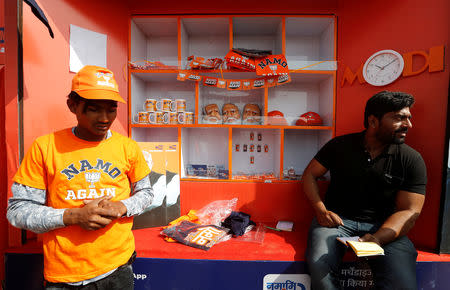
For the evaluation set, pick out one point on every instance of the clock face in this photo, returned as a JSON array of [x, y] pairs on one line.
[[383, 67]]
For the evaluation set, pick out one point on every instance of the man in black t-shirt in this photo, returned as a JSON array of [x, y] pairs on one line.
[[376, 192]]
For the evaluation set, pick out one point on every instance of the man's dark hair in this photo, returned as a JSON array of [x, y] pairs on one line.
[[385, 102], [76, 98]]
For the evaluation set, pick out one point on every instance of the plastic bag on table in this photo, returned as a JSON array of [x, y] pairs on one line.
[[255, 234], [215, 212]]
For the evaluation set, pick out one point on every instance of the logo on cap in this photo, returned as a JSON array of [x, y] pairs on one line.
[[106, 77]]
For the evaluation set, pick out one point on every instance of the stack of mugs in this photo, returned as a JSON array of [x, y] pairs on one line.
[[164, 112]]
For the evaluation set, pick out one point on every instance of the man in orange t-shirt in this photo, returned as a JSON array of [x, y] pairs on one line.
[[81, 187]]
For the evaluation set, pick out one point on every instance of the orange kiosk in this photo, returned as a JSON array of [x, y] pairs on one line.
[[325, 45]]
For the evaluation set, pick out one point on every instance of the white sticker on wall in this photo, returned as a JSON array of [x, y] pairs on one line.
[[86, 48], [287, 281]]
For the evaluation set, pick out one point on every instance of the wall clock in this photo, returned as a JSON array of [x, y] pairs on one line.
[[383, 67]]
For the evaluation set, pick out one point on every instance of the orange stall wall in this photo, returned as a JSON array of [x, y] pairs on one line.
[[46, 61], [364, 27]]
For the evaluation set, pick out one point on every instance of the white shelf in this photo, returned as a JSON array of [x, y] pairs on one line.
[[306, 92], [300, 146], [154, 39], [263, 162], [310, 40], [204, 37], [309, 45], [258, 33], [204, 146], [157, 86]]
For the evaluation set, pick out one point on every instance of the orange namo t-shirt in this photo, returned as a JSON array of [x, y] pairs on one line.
[[72, 170]]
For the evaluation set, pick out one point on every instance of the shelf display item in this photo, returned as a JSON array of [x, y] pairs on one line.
[[276, 118], [173, 118], [150, 105], [164, 105], [211, 171], [222, 173], [252, 147], [239, 61], [141, 118], [179, 105], [199, 170], [149, 65], [251, 115], [252, 136], [212, 114], [237, 147], [230, 114], [188, 117], [259, 137], [161, 117], [272, 65], [258, 148], [254, 53], [200, 62], [309, 119]]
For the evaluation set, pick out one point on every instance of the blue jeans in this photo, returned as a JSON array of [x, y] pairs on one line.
[[395, 270], [121, 279]]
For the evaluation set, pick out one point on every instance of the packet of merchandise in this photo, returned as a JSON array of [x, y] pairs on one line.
[[195, 235]]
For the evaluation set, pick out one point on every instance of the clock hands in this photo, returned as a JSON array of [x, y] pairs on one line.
[[388, 63]]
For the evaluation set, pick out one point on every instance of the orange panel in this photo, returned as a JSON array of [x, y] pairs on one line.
[[265, 202]]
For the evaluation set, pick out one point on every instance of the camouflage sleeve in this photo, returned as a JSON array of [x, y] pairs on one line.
[[27, 210], [141, 199]]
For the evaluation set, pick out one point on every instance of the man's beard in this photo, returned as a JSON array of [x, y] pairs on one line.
[[393, 138]]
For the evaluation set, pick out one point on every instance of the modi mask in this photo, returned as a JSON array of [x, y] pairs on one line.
[[212, 114], [251, 114], [230, 114]]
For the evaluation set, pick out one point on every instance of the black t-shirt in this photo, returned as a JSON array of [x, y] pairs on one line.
[[364, 189]]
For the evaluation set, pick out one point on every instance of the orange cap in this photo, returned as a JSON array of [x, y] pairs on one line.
[[96, 83]]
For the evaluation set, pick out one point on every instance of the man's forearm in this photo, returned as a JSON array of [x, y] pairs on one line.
[[141, 199], [26, 210], [397, 225]]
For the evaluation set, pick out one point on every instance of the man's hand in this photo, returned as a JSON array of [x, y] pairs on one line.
[[117, 207], [329, 219], [370, 238], [91, 216]]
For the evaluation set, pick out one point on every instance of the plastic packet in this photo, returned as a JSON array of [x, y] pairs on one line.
[[255, 235], [216, 212]]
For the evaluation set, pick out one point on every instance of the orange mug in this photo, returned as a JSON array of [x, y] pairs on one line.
[[164, 105], [142, 118], [150, 105]]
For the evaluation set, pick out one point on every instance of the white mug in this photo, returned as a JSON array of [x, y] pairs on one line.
[[179, 105]]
